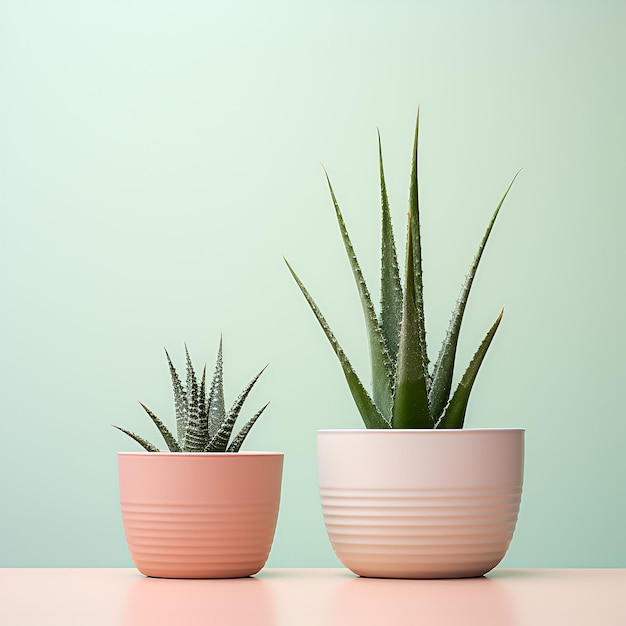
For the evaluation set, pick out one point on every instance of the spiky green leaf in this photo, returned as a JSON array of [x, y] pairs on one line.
[[235, 444], [410, 408], [203, 399], [416, 241], [454, 413], [390, 284], [219, 441], [372, 417], [444, 366], [216, 410], [382, 368], [180, 400], [144, 443], [169, 438], [196, 433]]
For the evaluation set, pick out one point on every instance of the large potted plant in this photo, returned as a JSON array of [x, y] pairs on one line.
[[203, 508], [415, 495]]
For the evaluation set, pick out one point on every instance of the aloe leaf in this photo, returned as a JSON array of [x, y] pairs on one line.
[[180, 400], [454, 414], [242, 434], [382, 371], [216, 411], [410, 408], [418, 287], [372, 417], [444, 367], [219, 441], [196, 435], [144, 443], [390, 285], [169, 438]]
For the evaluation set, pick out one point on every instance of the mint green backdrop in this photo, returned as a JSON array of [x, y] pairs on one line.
[[157, 160]]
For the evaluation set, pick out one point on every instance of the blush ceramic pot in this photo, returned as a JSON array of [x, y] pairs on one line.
[[199, 515], [420, 503]]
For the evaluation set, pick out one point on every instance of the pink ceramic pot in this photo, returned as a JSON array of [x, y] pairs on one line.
[[420, 503], [199, 515]]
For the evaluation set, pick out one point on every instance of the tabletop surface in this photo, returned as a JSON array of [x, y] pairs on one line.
[[320, 597]]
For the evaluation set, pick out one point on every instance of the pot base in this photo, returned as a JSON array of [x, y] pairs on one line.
[[222, 540], [420, 533]]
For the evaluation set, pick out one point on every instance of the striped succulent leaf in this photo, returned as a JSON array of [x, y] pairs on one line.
[[193, 431], [170, 440], [219, 441], [235, 444], [196, 433], [216, 412], [180, 403], [144, 443], [207, 428]]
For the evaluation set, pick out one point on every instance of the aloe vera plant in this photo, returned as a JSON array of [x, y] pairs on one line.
[[406, 391], [202, 423]]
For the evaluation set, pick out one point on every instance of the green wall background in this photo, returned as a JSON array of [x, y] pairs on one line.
[[157, 160]]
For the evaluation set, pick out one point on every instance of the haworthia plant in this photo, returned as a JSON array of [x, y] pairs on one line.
[[406, 391], [202, 423]]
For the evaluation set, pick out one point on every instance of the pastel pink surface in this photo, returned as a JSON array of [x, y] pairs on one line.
[[312, 597]]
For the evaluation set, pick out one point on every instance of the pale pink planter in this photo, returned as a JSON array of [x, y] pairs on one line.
[[199, 515], [420, 503]]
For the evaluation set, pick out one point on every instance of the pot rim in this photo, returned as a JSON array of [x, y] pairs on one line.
[[442, 431], [210, 455]]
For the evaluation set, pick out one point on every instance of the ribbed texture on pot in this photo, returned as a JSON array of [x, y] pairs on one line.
[[420, 533], [225, 540]]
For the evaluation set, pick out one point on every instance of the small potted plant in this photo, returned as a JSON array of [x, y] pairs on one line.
[[202, 509], [415, 495]]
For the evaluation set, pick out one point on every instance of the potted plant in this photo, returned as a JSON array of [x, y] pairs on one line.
[[415, 495], [202, 509]]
